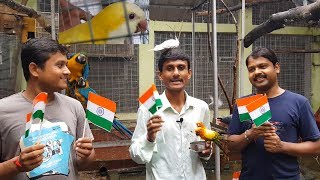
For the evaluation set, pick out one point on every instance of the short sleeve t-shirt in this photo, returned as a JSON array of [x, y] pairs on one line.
[[13, 110], [293, 117]]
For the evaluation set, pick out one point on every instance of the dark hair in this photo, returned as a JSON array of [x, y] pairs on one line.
[[38, 51], [263, 52], [172, 54]]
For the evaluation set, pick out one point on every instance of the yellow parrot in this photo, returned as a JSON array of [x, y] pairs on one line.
[[214, 136], [207, 134], [109, 22]]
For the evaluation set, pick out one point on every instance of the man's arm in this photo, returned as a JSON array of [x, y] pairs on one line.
[[273, 144], [239, 142], [29, 158], [8, 168], [142, 142], [206, 154]]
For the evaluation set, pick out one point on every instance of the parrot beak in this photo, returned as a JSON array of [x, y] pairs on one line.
[[82, 59], [142, 26]]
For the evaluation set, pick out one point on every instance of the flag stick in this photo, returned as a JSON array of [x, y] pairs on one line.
[[38, 140], [84, 127], [162, 133]]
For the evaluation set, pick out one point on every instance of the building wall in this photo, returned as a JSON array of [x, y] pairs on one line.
[[146, 62]]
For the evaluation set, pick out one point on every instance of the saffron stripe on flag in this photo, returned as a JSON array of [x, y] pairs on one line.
[[40, 97], [28, 124], [147, 94], [256, 104], [102, 101], [99, 121], [247, 100], [100, 111]]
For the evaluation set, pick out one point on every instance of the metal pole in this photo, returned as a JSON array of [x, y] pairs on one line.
[[241, 64], [193, 53], [215, 80], [53, 23], [89, 23]]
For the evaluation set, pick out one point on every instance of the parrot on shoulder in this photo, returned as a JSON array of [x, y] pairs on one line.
[[110, 22], [78, 86]]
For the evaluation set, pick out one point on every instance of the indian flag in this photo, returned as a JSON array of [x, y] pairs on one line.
[[28, 125], [39, 105], [100, 111], [259, 111], [151, 99], [241, 104]]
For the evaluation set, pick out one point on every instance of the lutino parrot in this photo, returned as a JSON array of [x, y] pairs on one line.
[[108, 23]]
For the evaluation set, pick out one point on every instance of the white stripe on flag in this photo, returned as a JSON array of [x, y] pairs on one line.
[[100, 111], [28, 125], [257, 113], [39, 106], [242, 109], [149, 103]]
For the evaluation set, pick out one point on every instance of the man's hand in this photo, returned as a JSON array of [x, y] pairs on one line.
[[83, 147], [153, 126], [207, 151], [261, 131], [31, 157], [272, 143]]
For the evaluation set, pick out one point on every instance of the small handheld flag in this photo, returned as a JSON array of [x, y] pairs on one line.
[[151, 99], [242, 103], [100, 111], [259, 110], [39, 105], [28, 125]]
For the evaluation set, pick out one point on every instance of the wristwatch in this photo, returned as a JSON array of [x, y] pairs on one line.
[[246, 136]]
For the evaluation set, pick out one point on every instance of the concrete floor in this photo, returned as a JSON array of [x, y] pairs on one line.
[[226, 175]]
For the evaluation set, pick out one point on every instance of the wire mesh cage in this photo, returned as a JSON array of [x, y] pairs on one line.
[[117, 79], [263, 12], [295, 72], [9, 48], [203, 63]]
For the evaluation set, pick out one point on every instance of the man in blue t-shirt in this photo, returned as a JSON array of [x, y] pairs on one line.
[[270, 151]]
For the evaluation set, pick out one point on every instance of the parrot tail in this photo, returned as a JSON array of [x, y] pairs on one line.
[[121, 128]]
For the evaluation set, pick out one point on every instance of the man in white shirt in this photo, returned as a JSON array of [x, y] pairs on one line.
[[167, 155]]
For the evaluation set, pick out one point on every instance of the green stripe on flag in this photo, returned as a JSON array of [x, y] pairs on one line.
[[262, 119], [27, 133], [99, 121], [38, 114], [158, 103], [244, 117], [153, 109]]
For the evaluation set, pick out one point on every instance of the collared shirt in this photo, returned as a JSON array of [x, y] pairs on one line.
[[170, 157]]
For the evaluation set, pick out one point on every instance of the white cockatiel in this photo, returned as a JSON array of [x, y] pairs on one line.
[[170, 43]]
